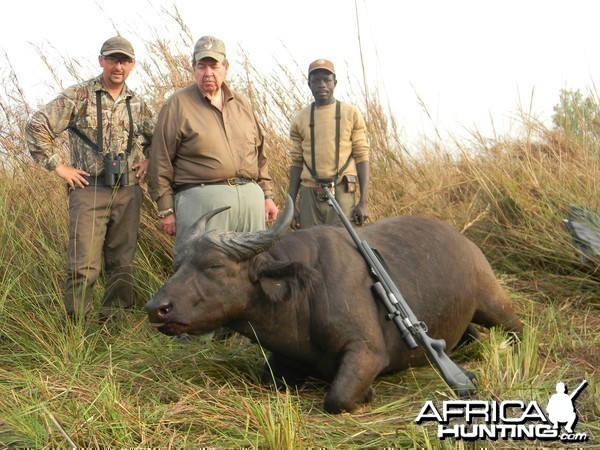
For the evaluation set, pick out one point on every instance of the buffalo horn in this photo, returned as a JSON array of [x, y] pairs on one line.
[[246, 245], [199, 227]]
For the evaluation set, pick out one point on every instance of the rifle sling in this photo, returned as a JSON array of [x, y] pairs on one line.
[[338, 116]]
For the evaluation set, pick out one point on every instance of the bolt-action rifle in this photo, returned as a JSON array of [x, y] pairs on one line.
[[411, 329]]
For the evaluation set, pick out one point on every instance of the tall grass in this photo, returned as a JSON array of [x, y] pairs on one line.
[[125, 385]]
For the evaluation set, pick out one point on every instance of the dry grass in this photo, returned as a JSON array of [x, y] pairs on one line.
[[129, 386]]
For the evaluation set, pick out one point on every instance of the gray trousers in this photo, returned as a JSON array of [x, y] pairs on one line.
[[247, 212], [102, 221], [313, 211]]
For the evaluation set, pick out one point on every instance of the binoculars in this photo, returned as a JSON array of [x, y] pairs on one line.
[[116, 169]]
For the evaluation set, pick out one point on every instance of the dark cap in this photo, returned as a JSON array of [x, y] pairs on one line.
[[209, 47], [117, 44], [321, 64]]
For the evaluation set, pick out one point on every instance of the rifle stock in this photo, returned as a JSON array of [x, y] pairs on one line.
[[411, 329]]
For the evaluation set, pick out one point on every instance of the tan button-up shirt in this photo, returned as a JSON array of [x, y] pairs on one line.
[[196, 143]]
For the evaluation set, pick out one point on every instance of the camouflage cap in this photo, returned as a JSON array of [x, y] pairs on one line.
[[321, 64], [117, 44], [209, 47]]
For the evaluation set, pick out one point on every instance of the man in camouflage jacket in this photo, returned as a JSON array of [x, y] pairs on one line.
[[110, 132]]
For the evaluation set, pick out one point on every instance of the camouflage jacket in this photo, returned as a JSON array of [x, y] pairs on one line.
[[76, 108]]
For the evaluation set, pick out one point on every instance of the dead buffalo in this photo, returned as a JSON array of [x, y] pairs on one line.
[[306, 296]]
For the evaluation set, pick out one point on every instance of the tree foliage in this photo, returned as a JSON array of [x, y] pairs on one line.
[[578, 116]]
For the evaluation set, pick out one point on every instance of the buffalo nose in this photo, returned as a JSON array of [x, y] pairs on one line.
[[159, 310], [164, 310]]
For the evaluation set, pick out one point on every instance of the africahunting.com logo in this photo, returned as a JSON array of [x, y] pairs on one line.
[[511, 419]]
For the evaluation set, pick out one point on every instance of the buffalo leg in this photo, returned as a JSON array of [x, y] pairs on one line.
[[497, 311], [282, 372], [352, 382], [470, 335]]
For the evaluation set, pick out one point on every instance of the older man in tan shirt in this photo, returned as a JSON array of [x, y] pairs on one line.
[[208, 152]]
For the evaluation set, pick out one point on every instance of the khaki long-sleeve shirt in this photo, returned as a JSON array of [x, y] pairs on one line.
[[76, 107], [353, 141], [196, 143]]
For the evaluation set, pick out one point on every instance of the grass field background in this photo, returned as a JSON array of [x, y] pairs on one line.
[[127, 386]]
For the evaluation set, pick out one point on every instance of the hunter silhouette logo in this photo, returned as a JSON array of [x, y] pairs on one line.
[[561, 407], [510, 419]]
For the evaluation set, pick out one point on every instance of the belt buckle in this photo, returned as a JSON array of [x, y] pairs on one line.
[[231, 181]]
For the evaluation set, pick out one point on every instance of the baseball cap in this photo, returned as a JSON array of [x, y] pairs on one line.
[[321, 64], [117, 44], [209, 47]]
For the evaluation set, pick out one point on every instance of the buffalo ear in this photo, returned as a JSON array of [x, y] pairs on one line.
[[276, 290], [283, 281]]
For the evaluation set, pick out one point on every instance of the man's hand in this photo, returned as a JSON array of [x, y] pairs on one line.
[[72, 176], [141, 169], [271, 210], [169, 225], [360, 214], [295, 225]]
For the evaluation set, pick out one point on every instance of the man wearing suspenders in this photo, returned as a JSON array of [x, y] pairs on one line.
[[110, 132], [329, 145]]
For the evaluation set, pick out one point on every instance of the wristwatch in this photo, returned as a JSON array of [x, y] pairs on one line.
[[166, 213], [271, 196]]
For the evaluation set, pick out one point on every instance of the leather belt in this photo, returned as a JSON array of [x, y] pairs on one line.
[[235, 181]]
